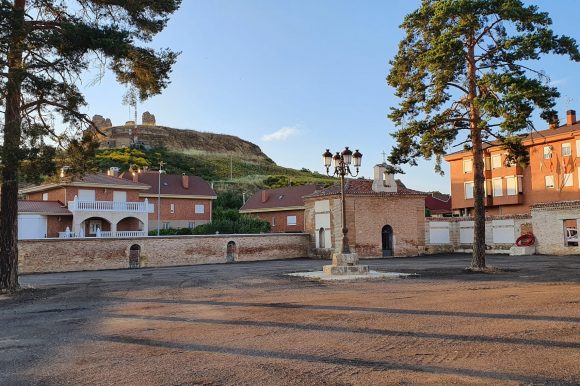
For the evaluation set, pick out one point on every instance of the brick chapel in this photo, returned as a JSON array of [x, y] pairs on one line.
[[383, 217]]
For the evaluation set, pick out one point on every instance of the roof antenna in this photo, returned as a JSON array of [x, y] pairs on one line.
[[568, 102], [130, 99]]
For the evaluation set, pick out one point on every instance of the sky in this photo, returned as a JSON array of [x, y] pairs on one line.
[[298, 76]]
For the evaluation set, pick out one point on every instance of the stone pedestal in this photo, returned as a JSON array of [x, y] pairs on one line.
[[345, 264], [522, 251]]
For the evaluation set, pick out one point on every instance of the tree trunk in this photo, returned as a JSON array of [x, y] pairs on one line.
[[478, 259], [11, 154]]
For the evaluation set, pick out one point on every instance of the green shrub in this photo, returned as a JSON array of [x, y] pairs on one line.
[[225, 221]]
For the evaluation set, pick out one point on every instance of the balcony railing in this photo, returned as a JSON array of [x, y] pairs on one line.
[[108, 206], [104, 234]]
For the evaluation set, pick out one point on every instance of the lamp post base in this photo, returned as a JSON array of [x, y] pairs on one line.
[[345, 264]]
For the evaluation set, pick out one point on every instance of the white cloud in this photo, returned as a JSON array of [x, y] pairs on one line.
[[557, 82], [281, 135]]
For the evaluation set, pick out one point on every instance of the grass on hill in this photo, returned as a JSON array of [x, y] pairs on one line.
[[226, 171]]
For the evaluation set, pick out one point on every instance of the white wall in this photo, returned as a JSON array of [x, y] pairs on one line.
[[453, 234], [503, 231], [31, 226], [466, 232], [439, 232], [322, 220]]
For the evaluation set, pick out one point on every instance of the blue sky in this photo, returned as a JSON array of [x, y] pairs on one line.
[[297, 77]]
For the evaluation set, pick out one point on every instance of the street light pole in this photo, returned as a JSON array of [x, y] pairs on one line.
[[161, 163], [342, 162]]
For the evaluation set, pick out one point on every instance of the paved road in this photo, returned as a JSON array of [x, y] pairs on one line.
[[535, 268], [248, 323]]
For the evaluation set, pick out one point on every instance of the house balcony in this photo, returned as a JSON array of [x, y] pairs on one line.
[[103, 234], [109, 206]]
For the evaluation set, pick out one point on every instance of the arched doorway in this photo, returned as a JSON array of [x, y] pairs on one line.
[[135, 256], [130, 227], [321, 238], [231, 252], [95, 227], [387, 240]]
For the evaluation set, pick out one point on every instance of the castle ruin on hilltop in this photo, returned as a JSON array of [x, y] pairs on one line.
[[146, 135]]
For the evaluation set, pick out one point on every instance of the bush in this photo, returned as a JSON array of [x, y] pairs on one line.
[[230, 221], [171, 232], [225, 221], [228, 200]]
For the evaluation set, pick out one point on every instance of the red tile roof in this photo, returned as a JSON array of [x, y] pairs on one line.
[[534, 136], [103, 179], [90, 180], [42, 207], [438, 203], [172, 184], [365, 187], [287, 197]]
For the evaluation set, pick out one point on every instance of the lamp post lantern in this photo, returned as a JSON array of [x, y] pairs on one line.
[[342, 162], [344, 262]]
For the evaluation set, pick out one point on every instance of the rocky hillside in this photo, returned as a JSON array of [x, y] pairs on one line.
[[150, 135], [231, 163]]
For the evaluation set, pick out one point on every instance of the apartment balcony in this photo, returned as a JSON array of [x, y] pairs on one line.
[[509, 200], [109, 206], [506, 171], [487, 201]]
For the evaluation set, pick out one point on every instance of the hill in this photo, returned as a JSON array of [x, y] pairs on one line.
[[231, 163], [226, 171], [149, 135]]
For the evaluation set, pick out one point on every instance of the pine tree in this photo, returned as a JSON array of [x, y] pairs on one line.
[[463, 71], [45, 47]]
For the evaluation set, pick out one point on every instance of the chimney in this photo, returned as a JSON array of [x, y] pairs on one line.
[[113, 171], [554, 123], [264, 196], [135, 177], [185, 181], [570, 117], [382, 180]]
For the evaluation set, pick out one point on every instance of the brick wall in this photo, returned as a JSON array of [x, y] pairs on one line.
[[183, 213], [549, 220], [279, 220], [93, 254], [55, 224], [405, 214], [366, 217]]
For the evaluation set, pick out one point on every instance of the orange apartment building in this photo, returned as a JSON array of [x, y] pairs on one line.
[[186, 201], [283, 208], [552, 175]]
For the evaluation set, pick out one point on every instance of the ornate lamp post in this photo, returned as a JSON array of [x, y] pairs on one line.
[[161, 164], [344, 262], [342, 162]]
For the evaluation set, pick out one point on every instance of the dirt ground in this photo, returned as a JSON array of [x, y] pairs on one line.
[[249, 324]]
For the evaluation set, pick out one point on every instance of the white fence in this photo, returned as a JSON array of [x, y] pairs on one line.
[[107, 234], [456, 234], [109, 206]]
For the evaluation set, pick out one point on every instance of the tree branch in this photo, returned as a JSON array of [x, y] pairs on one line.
[[457, 86], [39, 25], [487, 29]]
